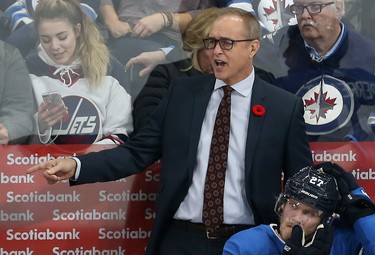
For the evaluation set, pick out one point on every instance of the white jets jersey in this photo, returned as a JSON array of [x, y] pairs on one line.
[[101, 114]]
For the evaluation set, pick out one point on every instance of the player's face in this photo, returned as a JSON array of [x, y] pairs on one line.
[[295, 212], [322, 25], [234, 65], [59, 39]]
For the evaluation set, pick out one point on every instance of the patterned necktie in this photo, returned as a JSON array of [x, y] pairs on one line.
[[213, 215]]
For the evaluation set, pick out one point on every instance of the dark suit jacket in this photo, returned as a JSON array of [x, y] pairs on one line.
[[158, 83], [276, 143]]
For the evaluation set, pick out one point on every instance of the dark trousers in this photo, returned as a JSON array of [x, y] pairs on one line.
[[183, 240]]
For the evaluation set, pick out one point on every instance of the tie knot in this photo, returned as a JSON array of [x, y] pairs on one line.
[[227, 90]]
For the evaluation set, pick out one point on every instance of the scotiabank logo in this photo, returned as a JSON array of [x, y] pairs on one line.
[[81, 125]]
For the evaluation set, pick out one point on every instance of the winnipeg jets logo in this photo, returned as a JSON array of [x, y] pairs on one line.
[[328, 104], [81, 126], [275, 14], [319, 105]]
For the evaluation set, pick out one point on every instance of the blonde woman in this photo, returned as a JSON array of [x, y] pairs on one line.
[[72, 61]]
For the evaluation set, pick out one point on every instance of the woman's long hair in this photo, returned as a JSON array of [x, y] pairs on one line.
[[197, 30]]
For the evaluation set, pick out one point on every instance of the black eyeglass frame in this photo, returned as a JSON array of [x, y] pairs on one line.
[[307, 7], [208, 40]]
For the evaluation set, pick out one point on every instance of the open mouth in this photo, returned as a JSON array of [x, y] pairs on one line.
[[220, 63]]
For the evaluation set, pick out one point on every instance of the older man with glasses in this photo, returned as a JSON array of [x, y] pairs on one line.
[[313, 8], [330, 65]]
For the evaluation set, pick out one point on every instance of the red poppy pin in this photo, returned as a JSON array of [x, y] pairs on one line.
[[258, 110]]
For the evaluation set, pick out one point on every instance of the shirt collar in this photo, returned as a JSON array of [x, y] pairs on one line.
[[315, 55], [243, 87]]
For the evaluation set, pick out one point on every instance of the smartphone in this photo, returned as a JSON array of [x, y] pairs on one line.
[[53, 99]]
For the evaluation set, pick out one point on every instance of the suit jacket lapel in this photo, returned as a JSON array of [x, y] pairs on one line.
[[255, 124], [202, 98]]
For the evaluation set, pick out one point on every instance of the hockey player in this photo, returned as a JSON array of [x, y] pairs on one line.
[[308, 223]]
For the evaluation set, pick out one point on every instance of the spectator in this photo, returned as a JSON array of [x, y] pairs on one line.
[[308, 225], [20, 16], [330, 66], [195, 62], [146, 26], [16, 97], [180, 132], [140, 26], [73, 60]]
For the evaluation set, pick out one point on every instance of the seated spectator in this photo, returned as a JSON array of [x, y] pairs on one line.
[[308, 225], [16, 97], [329, 65], [20, 22], [73, 60], [139, 26], [194, 62]]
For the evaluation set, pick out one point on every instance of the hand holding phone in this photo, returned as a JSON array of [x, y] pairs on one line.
[[53, 99]]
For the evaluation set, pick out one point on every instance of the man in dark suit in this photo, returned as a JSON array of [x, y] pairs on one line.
[[267, 141]]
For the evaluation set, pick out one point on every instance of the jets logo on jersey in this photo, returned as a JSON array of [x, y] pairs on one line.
[[275, 14], [81, 125], [328, 104]]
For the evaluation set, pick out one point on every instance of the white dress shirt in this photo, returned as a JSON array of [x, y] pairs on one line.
[[236, 208]]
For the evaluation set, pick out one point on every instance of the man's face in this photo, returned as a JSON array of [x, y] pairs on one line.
[[295, 212], [319, 26], [232, 65]]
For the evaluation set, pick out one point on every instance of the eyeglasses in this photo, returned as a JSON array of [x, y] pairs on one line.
[[225, 44], [311, 8]]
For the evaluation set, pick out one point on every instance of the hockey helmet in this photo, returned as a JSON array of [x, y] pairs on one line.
[[313, 187]]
